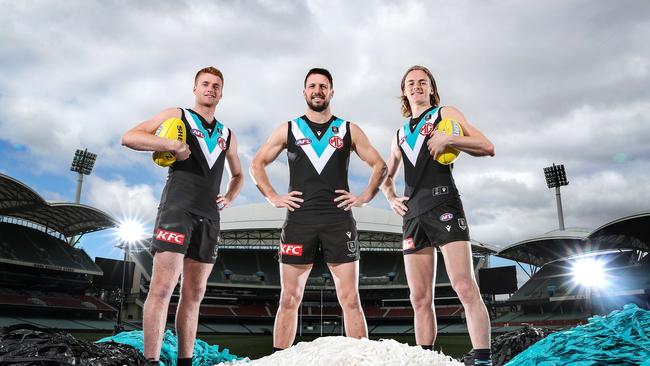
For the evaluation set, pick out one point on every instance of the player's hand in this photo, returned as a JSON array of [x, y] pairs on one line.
[[347, 200], [290, 200], [437, 143], [181, 150], [398, 205], [223, 202]]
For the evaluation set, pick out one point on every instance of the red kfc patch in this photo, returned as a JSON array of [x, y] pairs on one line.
[[408, 243], [170, 237], [291, 249]]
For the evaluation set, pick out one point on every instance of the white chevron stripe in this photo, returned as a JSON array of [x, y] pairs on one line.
[[210, 157], [317, 162], [411, 154]]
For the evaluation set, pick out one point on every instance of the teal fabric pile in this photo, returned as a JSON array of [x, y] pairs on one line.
[[620, 338], [204, 354]]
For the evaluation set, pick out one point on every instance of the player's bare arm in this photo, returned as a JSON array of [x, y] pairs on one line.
[[473, 142], [236, 175], [142, 137], [364, 149], [265, 156], [388, 187]]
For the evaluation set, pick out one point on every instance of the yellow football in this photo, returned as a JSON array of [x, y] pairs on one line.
[[173, 129], [450, 127]]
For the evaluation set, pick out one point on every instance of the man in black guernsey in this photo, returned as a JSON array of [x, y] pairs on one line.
[[319, 202], [432, 210], [187, 226]]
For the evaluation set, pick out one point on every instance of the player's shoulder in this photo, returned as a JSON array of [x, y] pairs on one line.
[[449, 111]]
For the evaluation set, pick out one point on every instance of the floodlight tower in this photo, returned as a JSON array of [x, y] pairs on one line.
[[555, 178], [82, 164]]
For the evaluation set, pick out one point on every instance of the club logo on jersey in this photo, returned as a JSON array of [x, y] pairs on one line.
[[170, 237], [428, 117], [408, 243], [437, 191], [222, 143], [197, 133], [462, 224], [219, 130], [304, 141], [426, 129], [335, 130], [336, 142], [352, 246], [446, 217], [291, 249], [401, 141]]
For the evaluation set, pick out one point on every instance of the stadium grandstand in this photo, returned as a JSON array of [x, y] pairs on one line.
[[244, 287], [577, 273], [44, 280]]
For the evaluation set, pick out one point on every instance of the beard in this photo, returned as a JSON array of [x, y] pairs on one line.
[[318, 108]]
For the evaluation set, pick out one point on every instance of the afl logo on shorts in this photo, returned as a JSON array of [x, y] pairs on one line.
[[197, 133], [301, 142], [222, 143], [426, 129], [291, 249], [336, 142], [170, 237], [446, 217], [408, 243]]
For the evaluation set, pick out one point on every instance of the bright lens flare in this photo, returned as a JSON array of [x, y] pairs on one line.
[[589, 272], [131, 231]]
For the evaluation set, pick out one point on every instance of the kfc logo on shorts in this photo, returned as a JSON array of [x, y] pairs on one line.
[[426, 129], [197, 133], [408, 243], [170, 237], [222, 143], [301, 142], [446, 217], [291, 249], [336, 142]]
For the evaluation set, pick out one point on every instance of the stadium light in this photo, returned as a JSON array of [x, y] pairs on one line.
[[82, 164], [129, 233], [589, 272], [555, 178]]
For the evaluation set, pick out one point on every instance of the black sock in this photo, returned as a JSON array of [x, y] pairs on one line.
[[275, 349], [429, 347], [184, 361], [482, 357]]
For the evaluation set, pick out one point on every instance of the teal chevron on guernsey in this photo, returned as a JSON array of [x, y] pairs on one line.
[[318, 151], [209, 143]]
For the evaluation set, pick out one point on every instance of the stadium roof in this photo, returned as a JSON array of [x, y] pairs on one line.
[[20, 201], [631, 232], [378, 228], [548, 247]]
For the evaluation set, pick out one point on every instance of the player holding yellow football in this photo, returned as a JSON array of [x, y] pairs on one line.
[[187, 226], [432, 209]]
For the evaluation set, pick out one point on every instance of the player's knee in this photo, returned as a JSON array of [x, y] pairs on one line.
[[466, 289], [192, 293], [160, 294], [290, 300], [350, 300], [421, 301]]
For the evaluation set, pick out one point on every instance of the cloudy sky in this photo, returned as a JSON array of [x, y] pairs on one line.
[[548, 82]]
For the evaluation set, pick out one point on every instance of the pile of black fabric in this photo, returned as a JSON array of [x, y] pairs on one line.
[[506, 346], [26, 345]]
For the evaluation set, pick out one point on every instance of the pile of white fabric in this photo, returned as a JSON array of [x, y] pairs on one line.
[[344, 351]]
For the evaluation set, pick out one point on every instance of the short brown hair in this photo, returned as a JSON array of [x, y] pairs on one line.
[[209, 70], [320, 71], [434, 98]]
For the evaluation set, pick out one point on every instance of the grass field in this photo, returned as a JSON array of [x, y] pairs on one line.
[[257, 346]]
